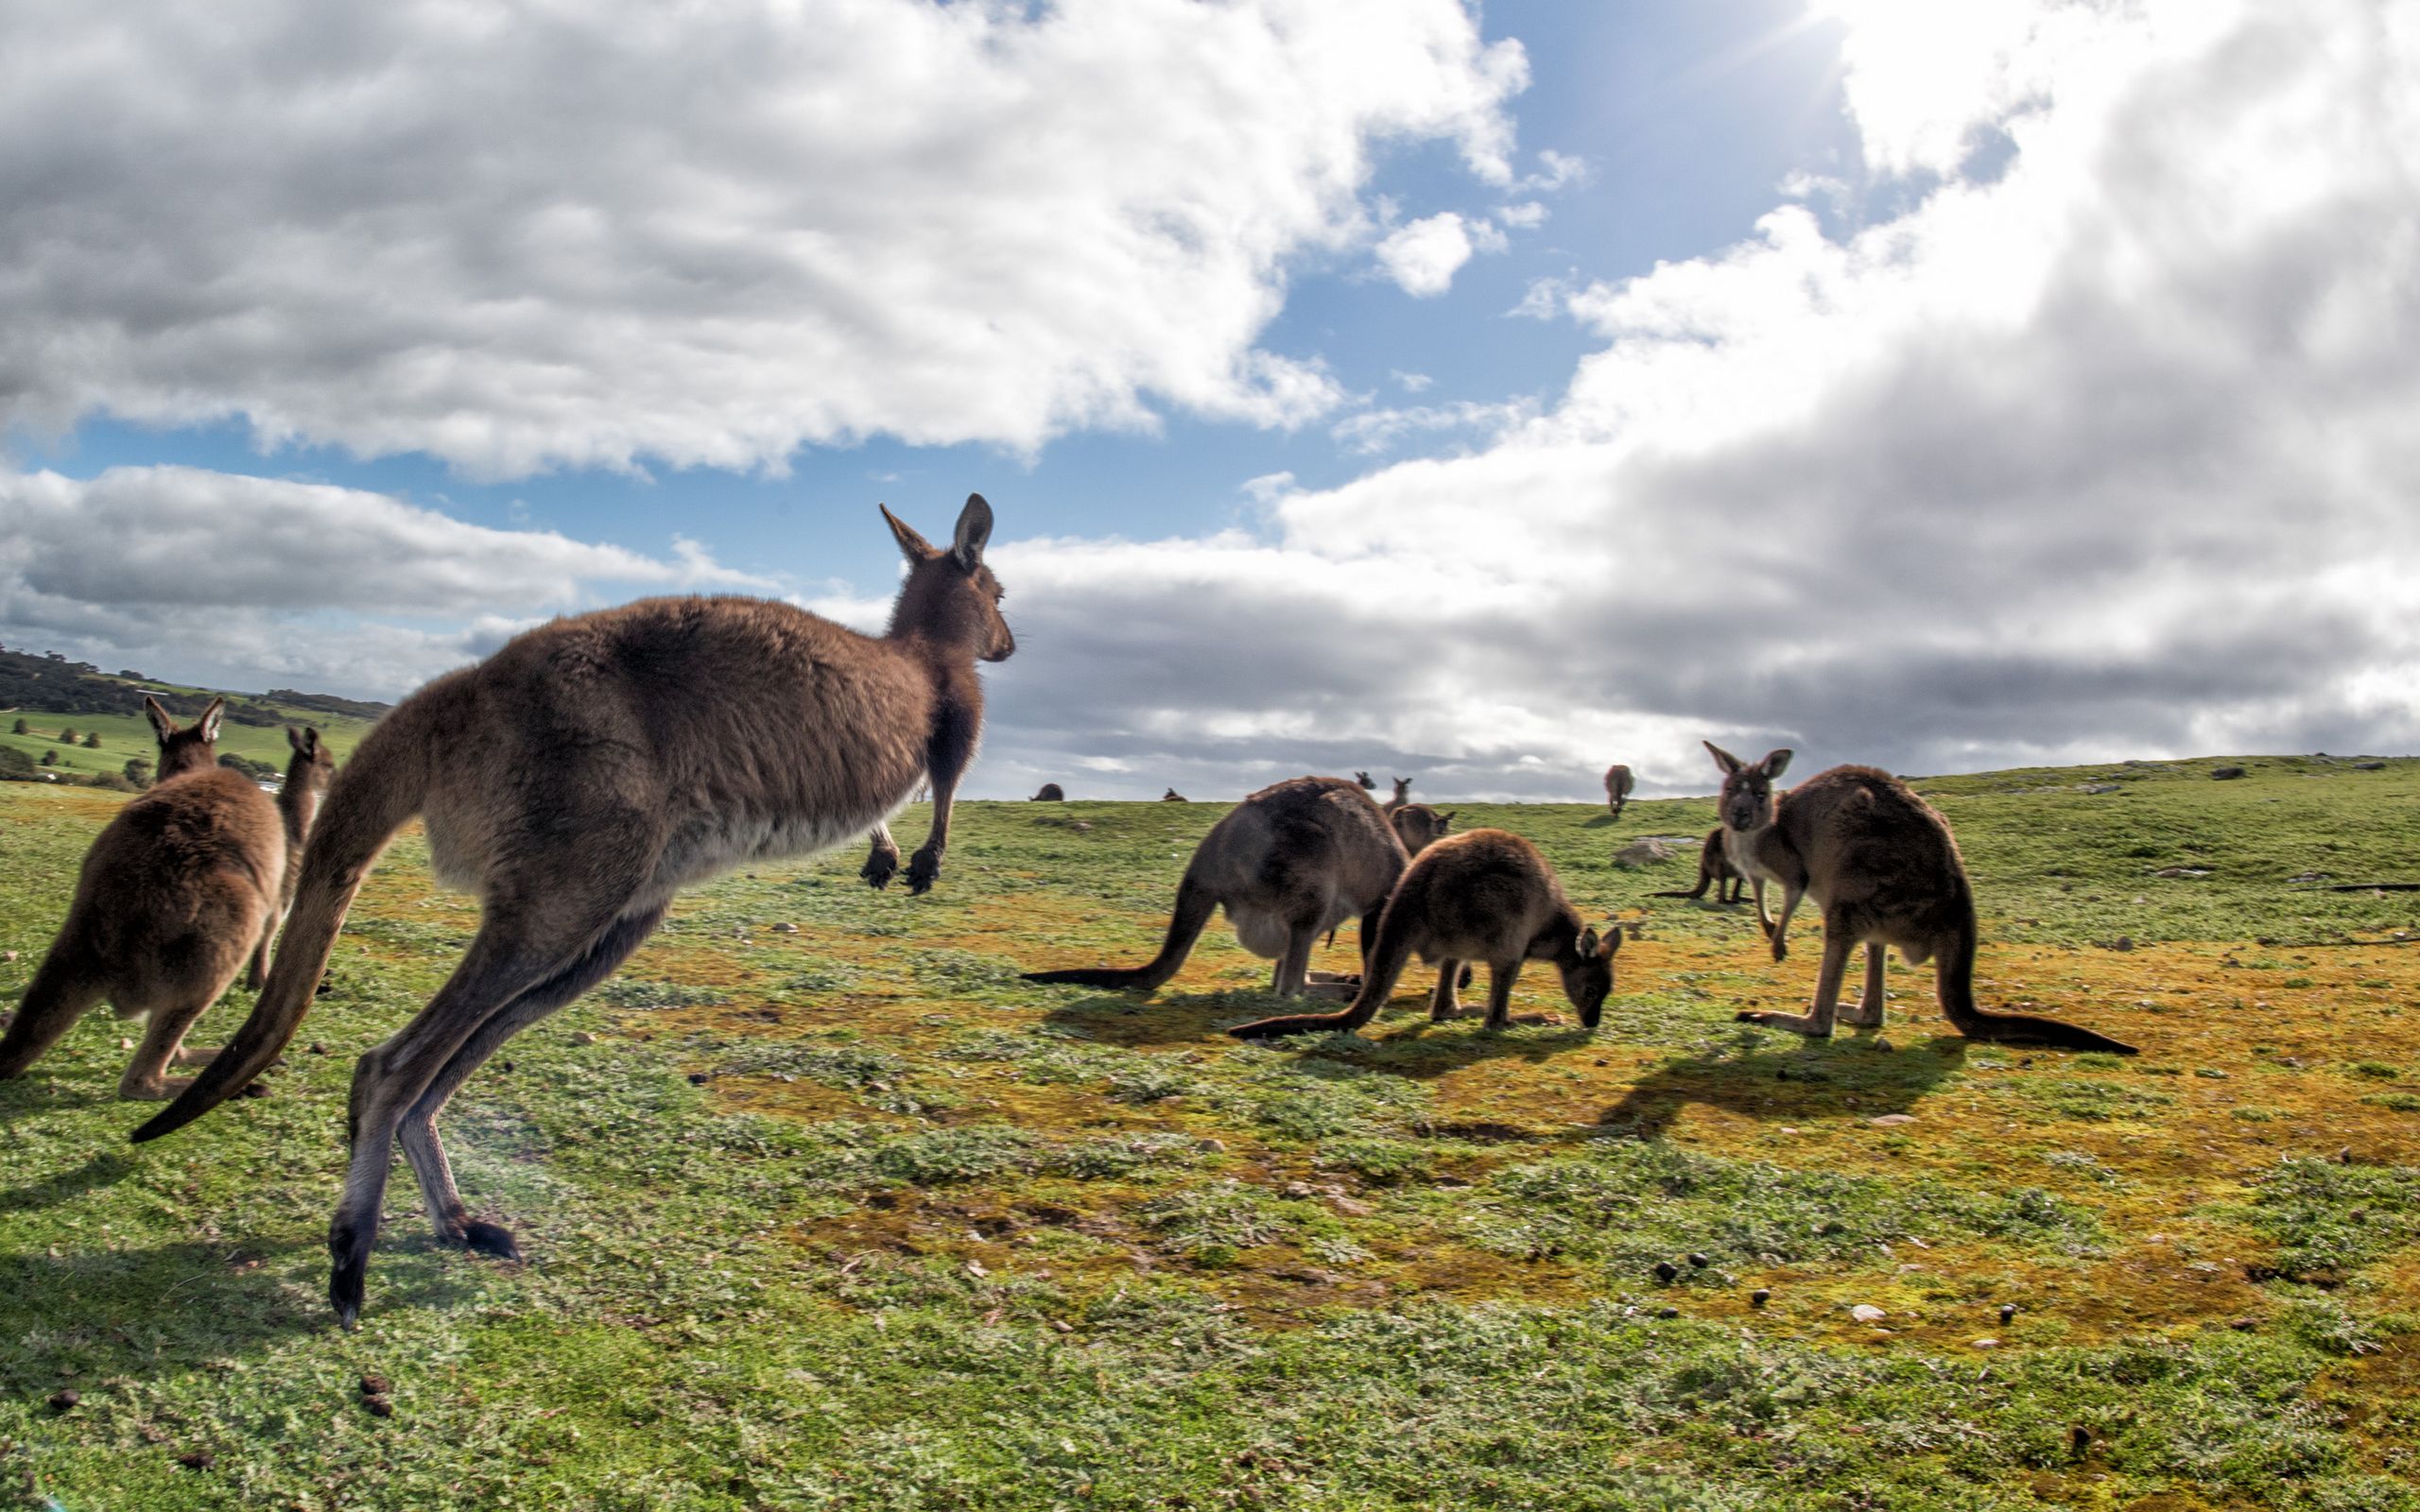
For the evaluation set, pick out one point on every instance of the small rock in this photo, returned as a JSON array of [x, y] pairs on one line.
[[2245, 1325], [1350, 1208], [1983, 1343], [1892, 1120], [379, 1406], [1867, 1313], [7, 955], [2344, 1156], [1300, 1189], [2008, 1313], [2225, 774], [2123, 942], [318, 1049], [1759, 1296], [786, 928], [64, 1401], [125, 1044], [2369, 766], [1701, 1262], [1211, 1146], [1642, 853], [697, 1078], [258, 1088], [2098, 788], [581, 1037], [1666, 1271], [200, 1459], [374, 1385], [1668, 1312]]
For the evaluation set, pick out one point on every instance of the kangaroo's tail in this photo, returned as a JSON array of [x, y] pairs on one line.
[[1957, 1004], [1380, 970], [63, 986], [1195, 903], [382, 786]]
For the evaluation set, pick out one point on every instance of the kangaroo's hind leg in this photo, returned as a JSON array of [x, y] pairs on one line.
[[1293, 968], [1442, 1004], [147, 1077], [1866, 1013], [1500, 976]]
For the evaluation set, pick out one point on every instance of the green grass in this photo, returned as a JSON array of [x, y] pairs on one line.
[[848, 1217]]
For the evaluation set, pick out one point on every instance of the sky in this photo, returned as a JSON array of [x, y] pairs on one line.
[[1476, 394]]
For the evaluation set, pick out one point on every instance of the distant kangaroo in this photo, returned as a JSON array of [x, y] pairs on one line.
[[308, 770], [1369, 783], [1403, 795], [1052, 793], [1618, 786], [1485, 896], [178, 890], [1419, 826], [1173, 796], [1715, 871], [579, 778], [1289, 864], [1879, 861]]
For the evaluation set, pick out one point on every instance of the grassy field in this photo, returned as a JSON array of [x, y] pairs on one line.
[[826, 1209], [124, 736]]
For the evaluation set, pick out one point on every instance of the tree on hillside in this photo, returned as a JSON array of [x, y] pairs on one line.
[[138, 771], [20, 726], [15, 766], [50, 758], [67, 736], [92, 740]]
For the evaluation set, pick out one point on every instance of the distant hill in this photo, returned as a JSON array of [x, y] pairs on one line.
[[52, 684], [52, 697]]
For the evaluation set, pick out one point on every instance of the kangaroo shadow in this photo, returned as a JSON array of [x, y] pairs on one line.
[[1135, 1019], [1804, 1082], [106, 1169]]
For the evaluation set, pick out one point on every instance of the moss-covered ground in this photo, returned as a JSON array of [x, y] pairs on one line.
[[826, 1209]]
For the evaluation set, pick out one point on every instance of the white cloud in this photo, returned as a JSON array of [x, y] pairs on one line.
[[1423, 256], [1557, 171], [1526, 215], [527, 237], [1411, 383], [1372, 432]]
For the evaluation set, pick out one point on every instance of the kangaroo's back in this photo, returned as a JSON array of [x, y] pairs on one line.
[[1869, 842]]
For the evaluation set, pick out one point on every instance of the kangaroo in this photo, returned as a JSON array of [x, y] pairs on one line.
[[1618, 786], [1713, 870], [308, 770], [1369, 783], [578, 778], [1419, 826], [1289, 864], [1173, 796], [1486, 896], [178, 890], [1881, 864], [1052, 793], [1403, 795]]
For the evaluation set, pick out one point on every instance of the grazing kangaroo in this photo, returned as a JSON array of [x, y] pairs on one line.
[[1485, 896], [1173, 796], [1618, 786], [1403, 795], [1881, 864], [1714, 870], [1419, 826], [1369, 783], [1289, 864], [178, 890], [1052, 793], [579, 778]]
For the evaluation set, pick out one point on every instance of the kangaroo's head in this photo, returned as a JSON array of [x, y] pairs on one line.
[[1367, 783], [1746, 802], [950, 597], [312, 764], [1403, 789], [1588, 974], [193, 748], [1419, 826]]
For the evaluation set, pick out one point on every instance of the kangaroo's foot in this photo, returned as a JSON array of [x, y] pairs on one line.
[[1458, 1011], [1781, 946], [490, 1238], [924, 869], [1794, 1022], [1862, 1016], [188, 1056], [881, 866], [153, 1088]]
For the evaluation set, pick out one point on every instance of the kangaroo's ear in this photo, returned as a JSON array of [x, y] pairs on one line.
[[311, 741], [1723, 758], [161, 723], [294, 738], [973, 532], [208, 724], [916, 546], [1775, 761], [1613, 939]]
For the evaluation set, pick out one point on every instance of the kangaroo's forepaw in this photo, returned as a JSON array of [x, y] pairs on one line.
[[879, 868], [924, 869], [490, 1238]]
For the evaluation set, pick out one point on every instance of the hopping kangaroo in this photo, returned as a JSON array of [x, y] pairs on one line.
[[575, 781], [1289, 864], [1484, 896], [1714, 870], [179, 892], [1879, 861], [1618, 786]]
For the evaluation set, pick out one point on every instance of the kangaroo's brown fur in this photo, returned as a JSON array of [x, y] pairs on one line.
[[1714, 870], [1050, 792], [1485, 896], [1881, 864], [180, 890], [1419, 826], [1618, 786], [578, 778], [1289, 864], [1403, 795]]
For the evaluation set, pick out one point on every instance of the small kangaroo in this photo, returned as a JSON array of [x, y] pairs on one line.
[[1485, 896], [178, 890], [1052, 793], [1881, 864], [1289, 864], [1403, 795], [1713, 870], [1369, 783], [1618, 786], [578, 778], [1173, 796], [1419, 826]]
